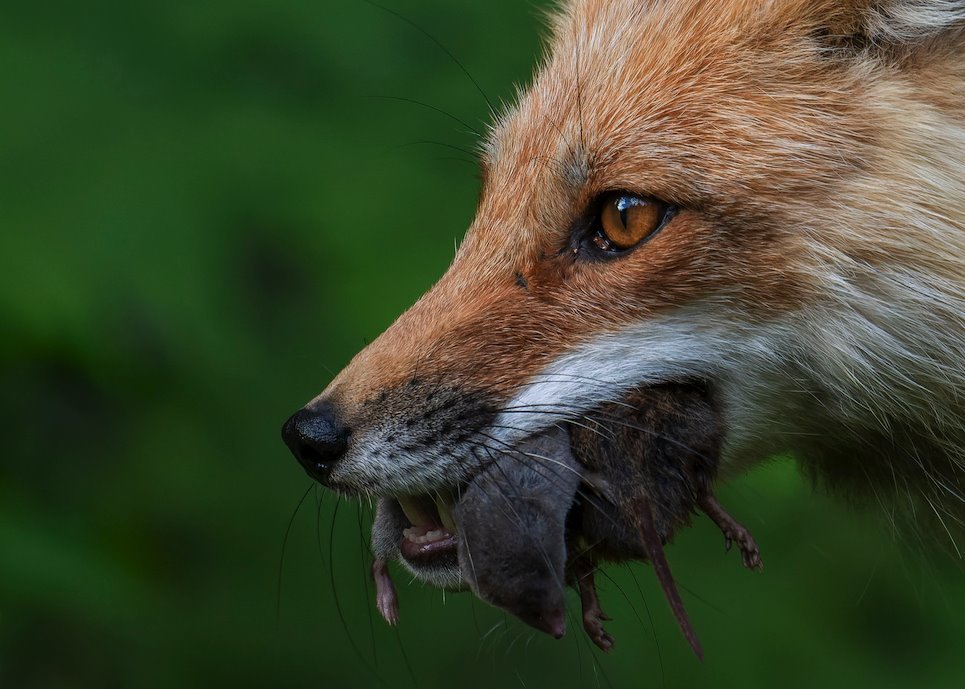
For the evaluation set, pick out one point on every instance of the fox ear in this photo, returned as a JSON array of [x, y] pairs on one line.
[[891, 24]]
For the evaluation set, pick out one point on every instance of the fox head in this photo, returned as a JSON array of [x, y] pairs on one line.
[[764, 196]]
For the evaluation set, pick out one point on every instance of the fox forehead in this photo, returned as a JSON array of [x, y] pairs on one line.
[[699, 103]]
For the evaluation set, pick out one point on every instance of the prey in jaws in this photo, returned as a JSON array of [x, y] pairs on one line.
[[613, 488]]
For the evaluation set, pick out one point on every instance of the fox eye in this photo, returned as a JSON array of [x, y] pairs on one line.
[[624, 220]]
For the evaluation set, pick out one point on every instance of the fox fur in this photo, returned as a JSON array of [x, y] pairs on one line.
[[814, 275]]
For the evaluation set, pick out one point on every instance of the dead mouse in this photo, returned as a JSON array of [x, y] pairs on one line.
[[615, 486]]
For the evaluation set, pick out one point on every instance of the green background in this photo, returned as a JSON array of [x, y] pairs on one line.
[[205, 209]]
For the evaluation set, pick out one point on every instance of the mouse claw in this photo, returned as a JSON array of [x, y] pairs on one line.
[[734, 532], [386, 599], [751, 555]]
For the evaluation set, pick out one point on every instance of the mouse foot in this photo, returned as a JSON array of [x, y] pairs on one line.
[[593, 615], [734, 531], [386, 599]]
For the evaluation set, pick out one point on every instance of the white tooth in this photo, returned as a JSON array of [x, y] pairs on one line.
[[407, 510], [445, 514], [413, 511]]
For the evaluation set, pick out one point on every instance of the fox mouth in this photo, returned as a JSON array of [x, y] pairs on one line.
[[430, 533], [423, 532], [430, 539]]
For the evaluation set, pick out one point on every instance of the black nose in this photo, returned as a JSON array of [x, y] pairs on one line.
[[317, 440]]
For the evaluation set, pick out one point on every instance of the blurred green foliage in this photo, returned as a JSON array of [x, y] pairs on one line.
[[205, 209]]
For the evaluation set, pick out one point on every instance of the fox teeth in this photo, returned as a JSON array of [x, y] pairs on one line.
[[413, 535], [445, 514], [415, 512]]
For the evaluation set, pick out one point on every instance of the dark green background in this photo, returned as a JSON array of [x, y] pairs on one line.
[[205, 210]]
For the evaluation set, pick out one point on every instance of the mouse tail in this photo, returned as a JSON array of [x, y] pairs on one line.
[[658, 559]]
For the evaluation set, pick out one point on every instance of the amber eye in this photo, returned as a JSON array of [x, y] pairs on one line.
[[625, 220]]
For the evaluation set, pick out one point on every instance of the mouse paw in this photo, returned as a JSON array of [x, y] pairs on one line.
[[734, 532], [593, 615], [750, 551], [386, 599], [593, 624]]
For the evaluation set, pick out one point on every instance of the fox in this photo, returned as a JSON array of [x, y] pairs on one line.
[[763, 197]]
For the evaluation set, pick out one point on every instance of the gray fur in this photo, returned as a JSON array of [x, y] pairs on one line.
[[511, 521]]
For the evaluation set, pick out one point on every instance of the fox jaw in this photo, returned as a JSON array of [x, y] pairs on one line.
[[801, 170]]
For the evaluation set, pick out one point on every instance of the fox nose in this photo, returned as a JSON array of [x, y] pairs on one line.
[[317, 440]]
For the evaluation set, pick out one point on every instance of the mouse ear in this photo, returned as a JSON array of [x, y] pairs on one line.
[[889, 26]]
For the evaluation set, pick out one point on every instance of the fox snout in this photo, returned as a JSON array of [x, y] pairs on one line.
[[403, 439], [407, 437]]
